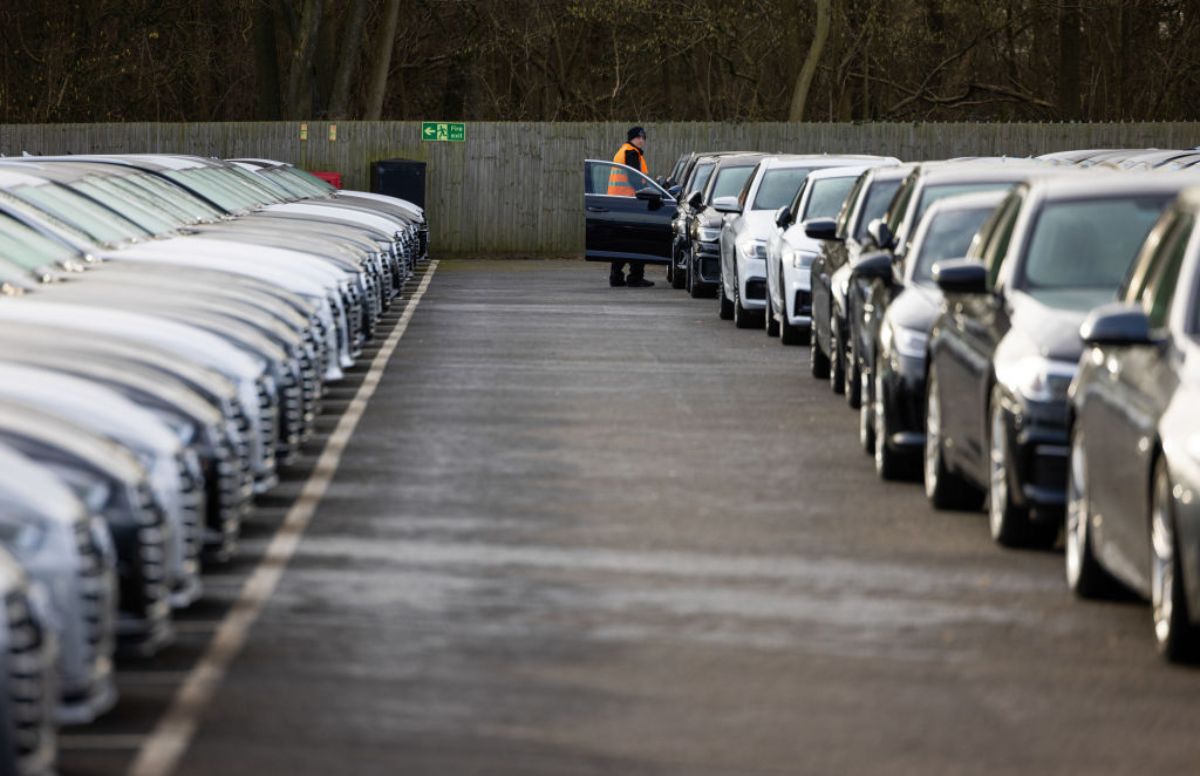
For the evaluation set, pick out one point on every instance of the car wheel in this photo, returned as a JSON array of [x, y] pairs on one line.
[[818, 362], [742, 318], [1085, 576], [944, 488], [671, 268], [854, 392], [770, 324], [866, 424], [889, 464], [678, 275], [1174, 634], [725, 306], [1009, 522], [789, 334], [837, 358]]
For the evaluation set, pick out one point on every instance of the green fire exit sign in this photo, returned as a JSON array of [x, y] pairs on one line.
[[445, 131]]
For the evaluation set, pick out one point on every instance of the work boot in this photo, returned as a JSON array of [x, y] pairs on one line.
[[639, 283], [616, 281]]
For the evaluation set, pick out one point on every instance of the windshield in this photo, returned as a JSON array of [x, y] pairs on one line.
[[827, 197], [27, 249], [700, 177], [778, 187], [144, 216], [729, 182], [947, 236], [95, 220], [879, 196], [934, 192], [1087, 243]]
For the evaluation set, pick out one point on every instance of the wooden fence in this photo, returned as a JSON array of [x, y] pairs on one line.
[[516, 188]]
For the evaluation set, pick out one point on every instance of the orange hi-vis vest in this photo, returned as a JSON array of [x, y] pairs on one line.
[[618, 180]]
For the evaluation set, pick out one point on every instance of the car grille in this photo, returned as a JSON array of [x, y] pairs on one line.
[[291, 416], [150, 573], [30, 695], [95, 594], [192, 502], [268, 414]]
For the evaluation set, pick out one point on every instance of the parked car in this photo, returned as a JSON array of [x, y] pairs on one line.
[[703, 252], [901, 305], [746, 230], [1131, 514], [842, 241], [620, 228], [695, 179], [894, 233], [67, 552], [791, 252], [1006, 346]]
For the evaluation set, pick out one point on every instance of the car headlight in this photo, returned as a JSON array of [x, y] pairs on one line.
[[27, 538], [756, 249], [906, 342], [1037, 378], [802, 259]]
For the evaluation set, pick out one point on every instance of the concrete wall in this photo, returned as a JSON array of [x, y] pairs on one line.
[[516, 188]]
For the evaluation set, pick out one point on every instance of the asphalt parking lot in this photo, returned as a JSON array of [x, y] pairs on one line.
[[583, 530]]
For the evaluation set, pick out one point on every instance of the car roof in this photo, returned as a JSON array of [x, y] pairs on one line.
[[1102, 183], [972, 201], [968, 172], [843, 171]]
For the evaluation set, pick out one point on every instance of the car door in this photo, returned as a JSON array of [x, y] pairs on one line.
[[626, 228], [1130, 393]]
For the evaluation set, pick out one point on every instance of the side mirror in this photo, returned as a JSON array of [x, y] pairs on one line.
[[881, 233], [726, 205], [1117, 324], [783, 217], [674, 190], [875, 266], [961, 276], [653, 196], [696, 201], [821, 229]]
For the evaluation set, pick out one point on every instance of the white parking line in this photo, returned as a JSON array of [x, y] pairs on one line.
[[162, 750]]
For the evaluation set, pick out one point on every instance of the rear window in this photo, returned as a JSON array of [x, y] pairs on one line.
[[932, 194], [827, 197], [729, 182], [1087, 244], [779, 187], [947, 237]]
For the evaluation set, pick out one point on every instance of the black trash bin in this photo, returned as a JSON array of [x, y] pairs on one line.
[[403, 178]]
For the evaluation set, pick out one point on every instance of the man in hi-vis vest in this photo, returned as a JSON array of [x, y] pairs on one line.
[[619, 185]]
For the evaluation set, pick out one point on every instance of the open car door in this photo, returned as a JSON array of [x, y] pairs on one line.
[[628, 215]]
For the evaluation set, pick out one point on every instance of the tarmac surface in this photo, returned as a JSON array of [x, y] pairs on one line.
[[584, 530]]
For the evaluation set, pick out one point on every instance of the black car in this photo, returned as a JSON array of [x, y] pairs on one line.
[[894, 233], [702, 272], [1005, 348], [695, 178], [624, 228], [843, 240], [902, 304], [1132, 514]]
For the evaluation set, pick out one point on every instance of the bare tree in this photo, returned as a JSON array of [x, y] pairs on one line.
[[804, 80]]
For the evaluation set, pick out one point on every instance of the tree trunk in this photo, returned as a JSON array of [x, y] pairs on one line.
[[304, 45], [347, 60], [383, 61], [1070, 51], [804, 80], [266, 64]]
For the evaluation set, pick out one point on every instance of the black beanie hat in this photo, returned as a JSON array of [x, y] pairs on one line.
[[634, 132]]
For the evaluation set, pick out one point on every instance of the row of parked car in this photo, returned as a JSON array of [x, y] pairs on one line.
[[1020, 335], [169, 326]]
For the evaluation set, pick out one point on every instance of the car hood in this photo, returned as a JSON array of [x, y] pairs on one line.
[[27, 488], [758, 224], [1049, 324]]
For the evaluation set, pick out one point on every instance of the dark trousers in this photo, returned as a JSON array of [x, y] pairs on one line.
[[637, 269]]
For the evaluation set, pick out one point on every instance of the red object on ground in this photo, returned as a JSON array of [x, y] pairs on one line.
[[332, 178]]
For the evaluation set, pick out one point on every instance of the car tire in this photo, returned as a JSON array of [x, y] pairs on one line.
[[1010, 523], [694, 288], [1085, 576], [818, 362], [725, 307], [837, 357], [889, 464], [789, 334], [1174, 634], [671, 268], [770, 325], [945, 489], [866, 409], [742, 318], [853, 379], [678, 275]]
